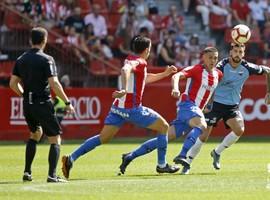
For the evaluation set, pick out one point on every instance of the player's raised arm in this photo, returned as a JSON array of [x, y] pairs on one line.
[[156, 77]]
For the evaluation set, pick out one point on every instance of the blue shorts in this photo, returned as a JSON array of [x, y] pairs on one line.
[[185, 112], [140, 116]]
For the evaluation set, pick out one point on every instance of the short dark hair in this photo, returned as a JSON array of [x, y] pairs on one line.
[[139, 44], [236, 45], [38, 35], [209, 50]]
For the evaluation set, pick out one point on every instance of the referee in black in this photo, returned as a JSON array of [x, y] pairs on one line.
[[33, 75]]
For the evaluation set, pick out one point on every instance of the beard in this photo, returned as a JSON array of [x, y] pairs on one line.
[[236, 59]]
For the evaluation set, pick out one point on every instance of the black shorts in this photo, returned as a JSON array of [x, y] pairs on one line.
[[42, 114], [221, 111]]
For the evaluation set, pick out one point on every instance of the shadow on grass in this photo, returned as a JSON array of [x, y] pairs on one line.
[[11, 182]]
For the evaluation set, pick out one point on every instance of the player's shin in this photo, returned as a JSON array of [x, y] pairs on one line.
[[194, 151], [87, 146], [162, 141], [190, 141], [145, 148], [230, 139]]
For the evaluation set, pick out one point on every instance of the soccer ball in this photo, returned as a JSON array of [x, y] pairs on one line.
[[240, 34]]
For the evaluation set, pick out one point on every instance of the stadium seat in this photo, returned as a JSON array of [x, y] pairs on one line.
[[98, 68], [14, 21], [217, 22], [112, 21], [85, 6], [103, 5], [6, 68], [118, 6]]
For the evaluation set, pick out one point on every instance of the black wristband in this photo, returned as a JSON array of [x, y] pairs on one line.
[[67, 103]]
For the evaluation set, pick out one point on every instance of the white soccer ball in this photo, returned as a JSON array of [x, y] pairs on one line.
[[240, 34]]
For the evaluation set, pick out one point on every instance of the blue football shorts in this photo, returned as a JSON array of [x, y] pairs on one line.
[[185, 112], [140, 116]]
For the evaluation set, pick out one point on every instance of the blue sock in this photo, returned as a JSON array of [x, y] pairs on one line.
[[87, 146], [162, 141], [145, 148], [190, 141]]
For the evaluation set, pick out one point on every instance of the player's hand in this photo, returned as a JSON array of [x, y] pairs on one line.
[[170, 70], [175, 93], [70, 109], [119, 93], [267, 98]]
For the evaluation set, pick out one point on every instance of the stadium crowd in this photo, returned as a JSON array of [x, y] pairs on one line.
[[105, 27]]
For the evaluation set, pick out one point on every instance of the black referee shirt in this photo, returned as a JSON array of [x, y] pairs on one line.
[[34, 67]]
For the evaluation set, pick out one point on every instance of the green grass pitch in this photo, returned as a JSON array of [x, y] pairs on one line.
[[243, 175]]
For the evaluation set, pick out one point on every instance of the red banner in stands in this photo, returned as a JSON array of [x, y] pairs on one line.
[[92, 106]]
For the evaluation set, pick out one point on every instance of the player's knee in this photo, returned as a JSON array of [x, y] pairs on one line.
[[165, 127], [239, 131]]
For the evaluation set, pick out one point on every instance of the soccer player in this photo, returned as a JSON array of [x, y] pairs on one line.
[[202, 79], [225, 104], [33, 76], [127, 107]]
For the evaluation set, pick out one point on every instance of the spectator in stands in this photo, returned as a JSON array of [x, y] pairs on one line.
[[33, 9], [218, 7], [241, 12], [174, 22], [50, 12], [258, 8], [98, 21], [141, 13], [193, 47], [152, 7], [118, 6], [64, 10], [186, 4], [73, 38], [266, 41], [203, 7], [267, 12], [106, 49], [75, 20], [167, 53], [127, 23], [126, 30], [89, 36], [182, 57], [223, 8]]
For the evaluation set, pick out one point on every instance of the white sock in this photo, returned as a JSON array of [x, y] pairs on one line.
[[162, 165], [194, 151], [230, 139]]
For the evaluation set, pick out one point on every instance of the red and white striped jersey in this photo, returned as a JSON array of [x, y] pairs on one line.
[[136, 83], [200, 84]]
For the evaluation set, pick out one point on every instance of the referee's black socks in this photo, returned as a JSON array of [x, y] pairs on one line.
[[30, 153], [53, 159]]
